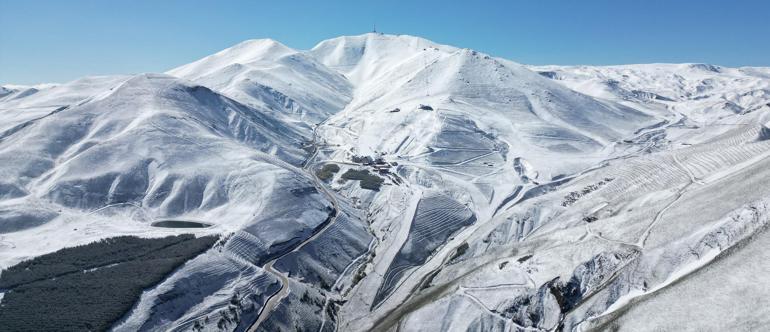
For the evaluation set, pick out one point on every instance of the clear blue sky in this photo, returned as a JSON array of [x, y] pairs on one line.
[[56, 41]]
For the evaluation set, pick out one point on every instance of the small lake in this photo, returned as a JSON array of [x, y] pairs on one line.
[[179, 224]]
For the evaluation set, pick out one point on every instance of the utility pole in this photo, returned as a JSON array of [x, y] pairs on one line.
[[374, 29]]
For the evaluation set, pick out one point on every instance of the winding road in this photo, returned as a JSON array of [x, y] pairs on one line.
[[276, 298]]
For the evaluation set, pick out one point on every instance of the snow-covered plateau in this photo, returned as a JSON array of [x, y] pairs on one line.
[[388, 183]]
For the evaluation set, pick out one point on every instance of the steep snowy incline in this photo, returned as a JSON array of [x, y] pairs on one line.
[[14, 91], [137, 155], [365, 58], [266, 74], [612, 244], [248, 51], [25, 104], [471, 136], [394, 75], [155, 145], [5, 91]]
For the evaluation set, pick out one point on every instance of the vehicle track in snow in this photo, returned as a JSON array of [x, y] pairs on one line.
[[680, 193], [276, 298], [463, 291]]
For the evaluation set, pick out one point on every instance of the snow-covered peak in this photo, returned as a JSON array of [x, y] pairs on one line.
[[265, 74], [379, 42], [370, 55], [40, 86], [5, 91], [57, 95], [14, 91], [254, 50]]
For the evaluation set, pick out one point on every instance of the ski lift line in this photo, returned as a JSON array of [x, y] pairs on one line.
[[427, 77]]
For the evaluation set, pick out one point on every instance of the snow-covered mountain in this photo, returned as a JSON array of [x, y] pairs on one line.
[[703, 92], [265, 73], [382, 182]]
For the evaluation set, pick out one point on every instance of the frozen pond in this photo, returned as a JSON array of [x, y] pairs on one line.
[[180, 224]]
